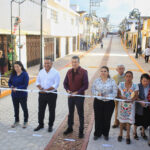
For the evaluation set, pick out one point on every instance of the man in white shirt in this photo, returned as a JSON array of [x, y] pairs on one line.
[[147, 54], [48, 80]]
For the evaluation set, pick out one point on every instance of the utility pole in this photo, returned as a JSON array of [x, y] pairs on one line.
[[41, 37], [90, 7], [93, 4], [135, 14], [19, 2], [12, 43], [19, 35]]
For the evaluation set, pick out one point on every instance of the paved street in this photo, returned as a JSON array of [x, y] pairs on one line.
[[119, 56], [26, 139]]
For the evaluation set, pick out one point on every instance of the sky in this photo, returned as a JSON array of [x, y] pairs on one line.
[[117, 9]]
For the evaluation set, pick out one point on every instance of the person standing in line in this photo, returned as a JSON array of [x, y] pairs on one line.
[[101, 44], [103, 109], [118, 78], [147, 54], [19, 79], [148, 114], [126, 109], [142, 111], [48, 80], [76, 82], [149, 107]]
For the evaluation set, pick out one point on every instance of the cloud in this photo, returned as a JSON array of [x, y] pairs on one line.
[[115, 4], [118, 9], [143, 6]]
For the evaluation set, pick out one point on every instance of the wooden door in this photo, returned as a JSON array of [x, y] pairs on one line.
[[49, 48], [33, 50]]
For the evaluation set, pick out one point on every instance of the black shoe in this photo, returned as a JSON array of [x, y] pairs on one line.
[[68, 130], [50, 129], [128, 141], [81, 135], [136, 136], [106, 138], [38, 128], [119, 138], [96, 138]]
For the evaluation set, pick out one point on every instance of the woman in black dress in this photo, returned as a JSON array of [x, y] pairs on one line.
[[142, 111]]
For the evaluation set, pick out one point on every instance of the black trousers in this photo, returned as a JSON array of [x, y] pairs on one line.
[[146, 59], [79, 103], [23, 103], [146, 117], [103, 113], [44, 100]]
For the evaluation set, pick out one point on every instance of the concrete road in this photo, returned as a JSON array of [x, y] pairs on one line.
[[26, 139]]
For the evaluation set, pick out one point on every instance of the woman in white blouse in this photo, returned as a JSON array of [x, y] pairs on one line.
[[106, 87]]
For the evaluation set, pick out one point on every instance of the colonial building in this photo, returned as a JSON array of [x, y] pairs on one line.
[[131, 34], [60, 30], [146, 33]]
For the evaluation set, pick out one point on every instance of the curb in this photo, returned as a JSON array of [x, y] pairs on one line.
[[132, 58], [8, 92]]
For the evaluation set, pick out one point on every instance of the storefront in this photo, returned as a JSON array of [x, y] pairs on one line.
[[33, 50], [5, 41], [148, 39]]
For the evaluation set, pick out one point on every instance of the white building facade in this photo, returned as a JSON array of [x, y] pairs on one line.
[[60, 29]]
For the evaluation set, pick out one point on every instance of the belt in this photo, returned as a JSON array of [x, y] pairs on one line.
[[48, 93]]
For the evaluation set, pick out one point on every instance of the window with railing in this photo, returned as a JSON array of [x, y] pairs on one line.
[[54, 15], [72, 21]]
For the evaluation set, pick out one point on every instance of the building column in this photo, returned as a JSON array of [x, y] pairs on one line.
[[23, 50], [54, 48], [43, 48]]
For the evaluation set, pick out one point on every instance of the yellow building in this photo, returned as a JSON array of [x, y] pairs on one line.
[[146, 34]]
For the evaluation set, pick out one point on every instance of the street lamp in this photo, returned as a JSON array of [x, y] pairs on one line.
[[135, 14], [19, 2], [41, 37]]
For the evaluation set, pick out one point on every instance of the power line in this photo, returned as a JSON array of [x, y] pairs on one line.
[[94, 3]]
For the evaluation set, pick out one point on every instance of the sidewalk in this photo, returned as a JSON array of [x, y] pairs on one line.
[[140, 60]]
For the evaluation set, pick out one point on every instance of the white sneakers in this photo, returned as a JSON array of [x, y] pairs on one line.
[[25, 124], [15, 124]]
